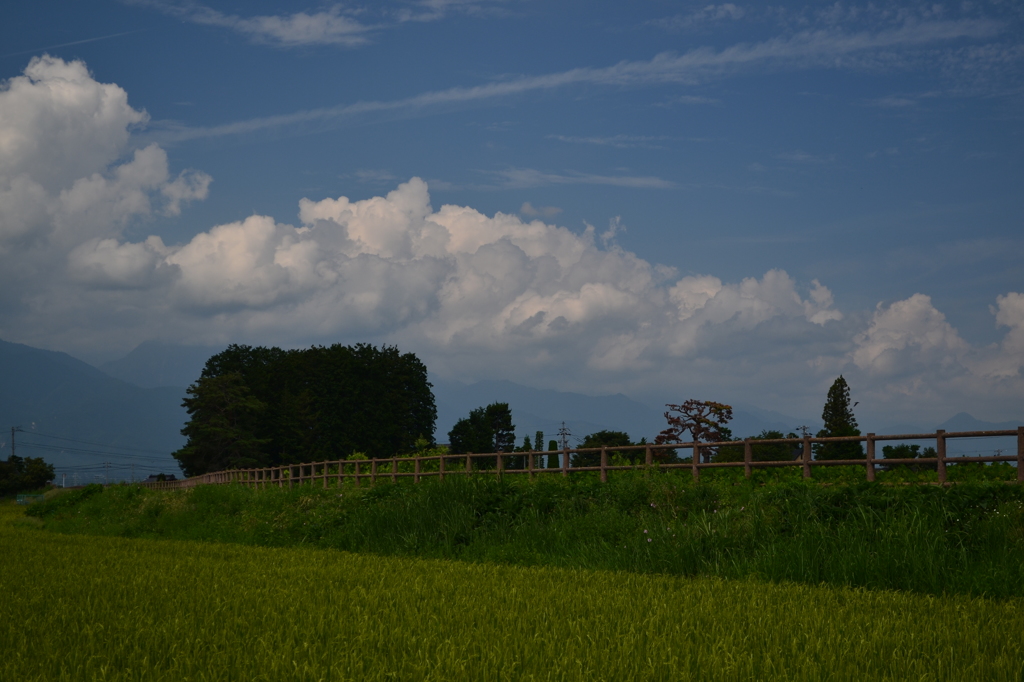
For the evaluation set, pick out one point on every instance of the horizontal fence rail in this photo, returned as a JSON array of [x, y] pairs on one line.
[[501, 463]]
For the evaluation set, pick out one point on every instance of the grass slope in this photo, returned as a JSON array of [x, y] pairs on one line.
[[106, 608], [967, 539]]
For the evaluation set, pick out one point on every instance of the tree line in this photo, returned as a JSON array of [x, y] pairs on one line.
[[255, 406]]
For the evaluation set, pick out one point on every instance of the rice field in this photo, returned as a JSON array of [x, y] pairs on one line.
[[79, 607]]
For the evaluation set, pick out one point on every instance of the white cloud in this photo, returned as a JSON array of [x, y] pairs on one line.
[[906, 335], [528, 209], [328, 27], [474, 295], [1006, 361], [57, 124], [707, 14], [520, 178]]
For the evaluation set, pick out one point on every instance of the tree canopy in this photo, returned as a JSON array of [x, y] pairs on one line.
[[19, 474], [705, 420], [258, 406], [608, 439], [486, 429], [762, 452], [839, 421]]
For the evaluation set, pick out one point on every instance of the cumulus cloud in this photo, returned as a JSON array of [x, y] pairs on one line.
[[906, 335], [501, 296], [64, 177], [454, 279]]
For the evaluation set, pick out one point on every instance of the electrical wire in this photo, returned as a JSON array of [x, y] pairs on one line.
[[88, 442], [100, 453]]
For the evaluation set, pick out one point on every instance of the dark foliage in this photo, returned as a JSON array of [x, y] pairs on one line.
[[762, 452], [20, 474], [257, 406], [907, 451], [608, 439], [486, 429], [705, 420], [839, 422]]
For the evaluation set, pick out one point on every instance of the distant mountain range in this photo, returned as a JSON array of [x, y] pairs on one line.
[[78, 417], [154, 364]]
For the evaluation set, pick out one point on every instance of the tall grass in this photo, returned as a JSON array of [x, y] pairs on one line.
[[967, 539], [106, 608]]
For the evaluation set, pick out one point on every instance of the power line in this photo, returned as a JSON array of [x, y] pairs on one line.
[[89, 442], [102, 453]]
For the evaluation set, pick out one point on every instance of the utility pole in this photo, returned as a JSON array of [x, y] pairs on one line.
[[64, 480], [14, 430], [563, 435]]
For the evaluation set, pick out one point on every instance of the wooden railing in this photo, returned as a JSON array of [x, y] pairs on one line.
[[449, 465]]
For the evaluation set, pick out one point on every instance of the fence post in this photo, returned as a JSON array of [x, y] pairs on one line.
[[291, 476], [373, 471], [440, 467], [501, 465], [807, 456], [1020, 454], [871, 457], [748, 457], [325, 474], [469, 464], [529, 463], [695, 461], [604, 464], [565, 461], [357, 473], [940, 447], [394, 469], [416, 470]]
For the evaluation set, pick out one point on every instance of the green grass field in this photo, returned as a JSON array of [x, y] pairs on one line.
[[80, 607], [966, 539]]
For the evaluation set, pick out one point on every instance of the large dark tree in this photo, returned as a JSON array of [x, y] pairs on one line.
[[221, 432], [318, 403], [705, 420], [839, 421]]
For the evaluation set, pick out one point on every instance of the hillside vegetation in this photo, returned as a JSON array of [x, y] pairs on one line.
[[966, 539]]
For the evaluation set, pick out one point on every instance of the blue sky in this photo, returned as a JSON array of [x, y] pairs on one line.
[[729, 201]]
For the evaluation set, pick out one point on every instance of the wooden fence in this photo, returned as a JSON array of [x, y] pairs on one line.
[[499, 462]]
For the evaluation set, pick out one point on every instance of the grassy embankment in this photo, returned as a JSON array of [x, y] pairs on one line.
[[966, 539], [80, 607]]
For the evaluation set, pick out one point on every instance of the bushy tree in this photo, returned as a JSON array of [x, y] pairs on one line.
[[318, 403], [839, 422], [486, 429], [224, 417], [608, 439], [907, 451], [21, 474], [761, 452], [705, 420]]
